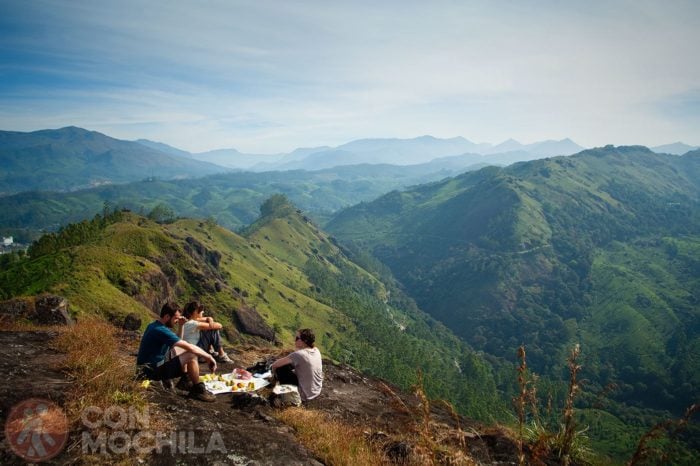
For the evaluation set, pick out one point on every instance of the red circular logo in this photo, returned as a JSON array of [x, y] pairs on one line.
[[36, 429]]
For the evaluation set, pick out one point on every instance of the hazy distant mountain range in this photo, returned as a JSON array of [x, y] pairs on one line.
[[383, 151], [677, 148], [73, 158]]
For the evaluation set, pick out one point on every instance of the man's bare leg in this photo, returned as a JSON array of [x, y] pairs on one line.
[[190, 364]]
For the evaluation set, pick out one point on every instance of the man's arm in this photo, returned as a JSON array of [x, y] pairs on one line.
[[281, 362], [209, 325], [199, 352], [180, 326]]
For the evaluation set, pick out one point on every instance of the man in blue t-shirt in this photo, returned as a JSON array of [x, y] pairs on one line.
[[163, 355]]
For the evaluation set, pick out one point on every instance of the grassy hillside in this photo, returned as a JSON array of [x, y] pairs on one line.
[[599, 248], [283, 266]]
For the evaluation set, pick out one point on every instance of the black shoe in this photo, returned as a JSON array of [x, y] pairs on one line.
[[184, 384], [168, 384], [199, 392]]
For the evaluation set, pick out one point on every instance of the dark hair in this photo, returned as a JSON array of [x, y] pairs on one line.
[[191, 307], [169, 309], [307, 336]]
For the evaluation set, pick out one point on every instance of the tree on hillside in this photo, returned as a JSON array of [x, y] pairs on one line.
[[276, 204], [162, 214]]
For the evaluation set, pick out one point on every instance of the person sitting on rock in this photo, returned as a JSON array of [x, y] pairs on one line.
[[163, 355], [203, 331], [303, 367]]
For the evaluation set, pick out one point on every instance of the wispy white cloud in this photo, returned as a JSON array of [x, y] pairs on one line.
[[270, 76]]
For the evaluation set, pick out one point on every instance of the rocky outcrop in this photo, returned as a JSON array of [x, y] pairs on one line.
[[151, 288], [155, 290], [202, 283], [51, 310], [199, 252], [47, 309], [249, 321], [16, 309], [132, 322]]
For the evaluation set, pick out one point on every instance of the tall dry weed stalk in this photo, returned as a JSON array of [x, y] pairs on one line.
[[669, 429], [424, 416], [420, 419], [461, 435], [519, 401], [431, 447], [522, 400], [396, 401], [569, 427], [544, 442]]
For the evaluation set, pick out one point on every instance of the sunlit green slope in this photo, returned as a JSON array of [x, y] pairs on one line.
[[598, 248], [284, 266]]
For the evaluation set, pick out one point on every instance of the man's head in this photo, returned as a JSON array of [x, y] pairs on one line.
[[306, 337], [169, 314]]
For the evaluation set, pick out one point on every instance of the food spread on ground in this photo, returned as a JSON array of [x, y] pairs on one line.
[[228, 383], [280, 389]]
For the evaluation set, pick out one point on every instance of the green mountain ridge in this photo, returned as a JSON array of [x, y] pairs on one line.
[[284, 268], [599, 248], [72, 158], [232, 199]]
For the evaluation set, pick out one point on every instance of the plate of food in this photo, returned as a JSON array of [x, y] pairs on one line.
[[217, 386], [228, 383], [244, 385]]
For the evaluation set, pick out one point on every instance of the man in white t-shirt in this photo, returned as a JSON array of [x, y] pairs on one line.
[[303, 367]]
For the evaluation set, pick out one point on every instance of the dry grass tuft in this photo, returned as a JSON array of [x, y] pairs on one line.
[[98, 362], [104, 374], [27, 326], [334, 442]]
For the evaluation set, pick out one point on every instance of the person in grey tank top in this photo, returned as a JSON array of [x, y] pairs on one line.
[[303, 367]]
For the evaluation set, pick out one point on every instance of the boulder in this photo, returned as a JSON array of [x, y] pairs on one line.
[[132, 322], [399, 452], [46, 309], [249, 321], [51, 310], [16, 309]]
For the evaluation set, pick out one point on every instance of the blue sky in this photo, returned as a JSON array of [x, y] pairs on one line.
[[270, 76]]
